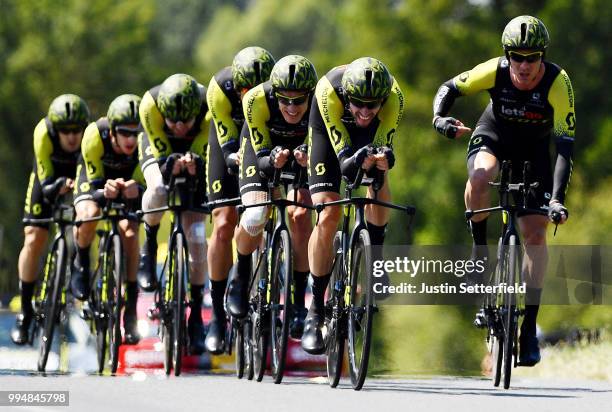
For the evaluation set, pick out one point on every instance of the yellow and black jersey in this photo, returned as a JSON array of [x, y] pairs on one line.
[[157, 142], [339, 123], [267, 127], [546, 109], [100, 159], [225, 108], [51, 160]]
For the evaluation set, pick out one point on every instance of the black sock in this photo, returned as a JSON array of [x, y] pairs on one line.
[[83, 254], [532, 306], [197, 295], [300, 280], [151, 235], [27, 290], [244, 266], [131, 292], [319, 284], [217, 293], [377, 233], [479, 232]]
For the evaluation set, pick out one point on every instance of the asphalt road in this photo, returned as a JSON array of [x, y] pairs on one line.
[[152, 392]]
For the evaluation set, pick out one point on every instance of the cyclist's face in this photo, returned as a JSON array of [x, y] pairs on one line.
[[126, 138], [363, 115], [525, 73], [293, 110], [70, 138], [180, 128]]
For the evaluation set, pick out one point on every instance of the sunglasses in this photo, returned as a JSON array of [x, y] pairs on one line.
[[126, 131], [529, 58], [295, 101], [70, 129], [370, 104]]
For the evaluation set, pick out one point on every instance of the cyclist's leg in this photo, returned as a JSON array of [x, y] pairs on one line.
[[248, 235], [300, 226], [154, 196], [35, 239], [84, 234], [195, 234], [533, 230], [129, 238], [324, 185]]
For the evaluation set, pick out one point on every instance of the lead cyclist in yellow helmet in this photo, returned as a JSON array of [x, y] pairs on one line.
[[532, 103]]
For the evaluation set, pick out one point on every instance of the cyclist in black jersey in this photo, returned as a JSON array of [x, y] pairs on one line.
[[276, 127], [251, 66], [109, 162], [532, 102], [57, 140], [356, 107]]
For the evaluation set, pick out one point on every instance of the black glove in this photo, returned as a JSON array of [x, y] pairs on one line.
[[199, 162], [446, 126], [166, 167], [555, 212], [51, 190], [266, 163], [350, 165], [388, 152]]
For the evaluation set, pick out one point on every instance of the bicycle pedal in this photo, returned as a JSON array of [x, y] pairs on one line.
[[480, 321], [153, 313]]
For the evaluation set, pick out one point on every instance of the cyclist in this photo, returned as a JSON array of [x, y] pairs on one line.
[[174, 118], [251, 66], [356, 107], [275, 129], [109, 162], [57, 140], [531, 102]]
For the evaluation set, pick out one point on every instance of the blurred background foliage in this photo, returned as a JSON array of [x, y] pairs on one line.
[[105, 48]]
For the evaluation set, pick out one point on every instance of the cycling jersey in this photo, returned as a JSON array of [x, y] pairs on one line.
[[157, 142], [264, 129], [226, 123], [334, 133], [517, 119], [99, 162]]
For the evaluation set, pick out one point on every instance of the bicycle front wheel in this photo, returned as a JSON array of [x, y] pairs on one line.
[[360, 309], [335, 318], [114, 279], [55, 271], [280, 302], [510, 313], [178, 323], [238, 333]]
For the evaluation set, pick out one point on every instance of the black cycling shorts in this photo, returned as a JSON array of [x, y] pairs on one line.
[[220, 183], [517, 149]]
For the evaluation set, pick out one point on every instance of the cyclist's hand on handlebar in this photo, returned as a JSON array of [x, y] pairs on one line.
[[557, 213], [301, 156], [385, 159], [130, 189], [279, 156], [112, 188], [67, 187], [450, 127]]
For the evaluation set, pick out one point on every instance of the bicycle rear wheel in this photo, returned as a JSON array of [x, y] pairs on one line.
[[335, 319], [247, 339], [361, 309], [55, 271], [280, 303], [114, 279], [179, 324], [510, 319]]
